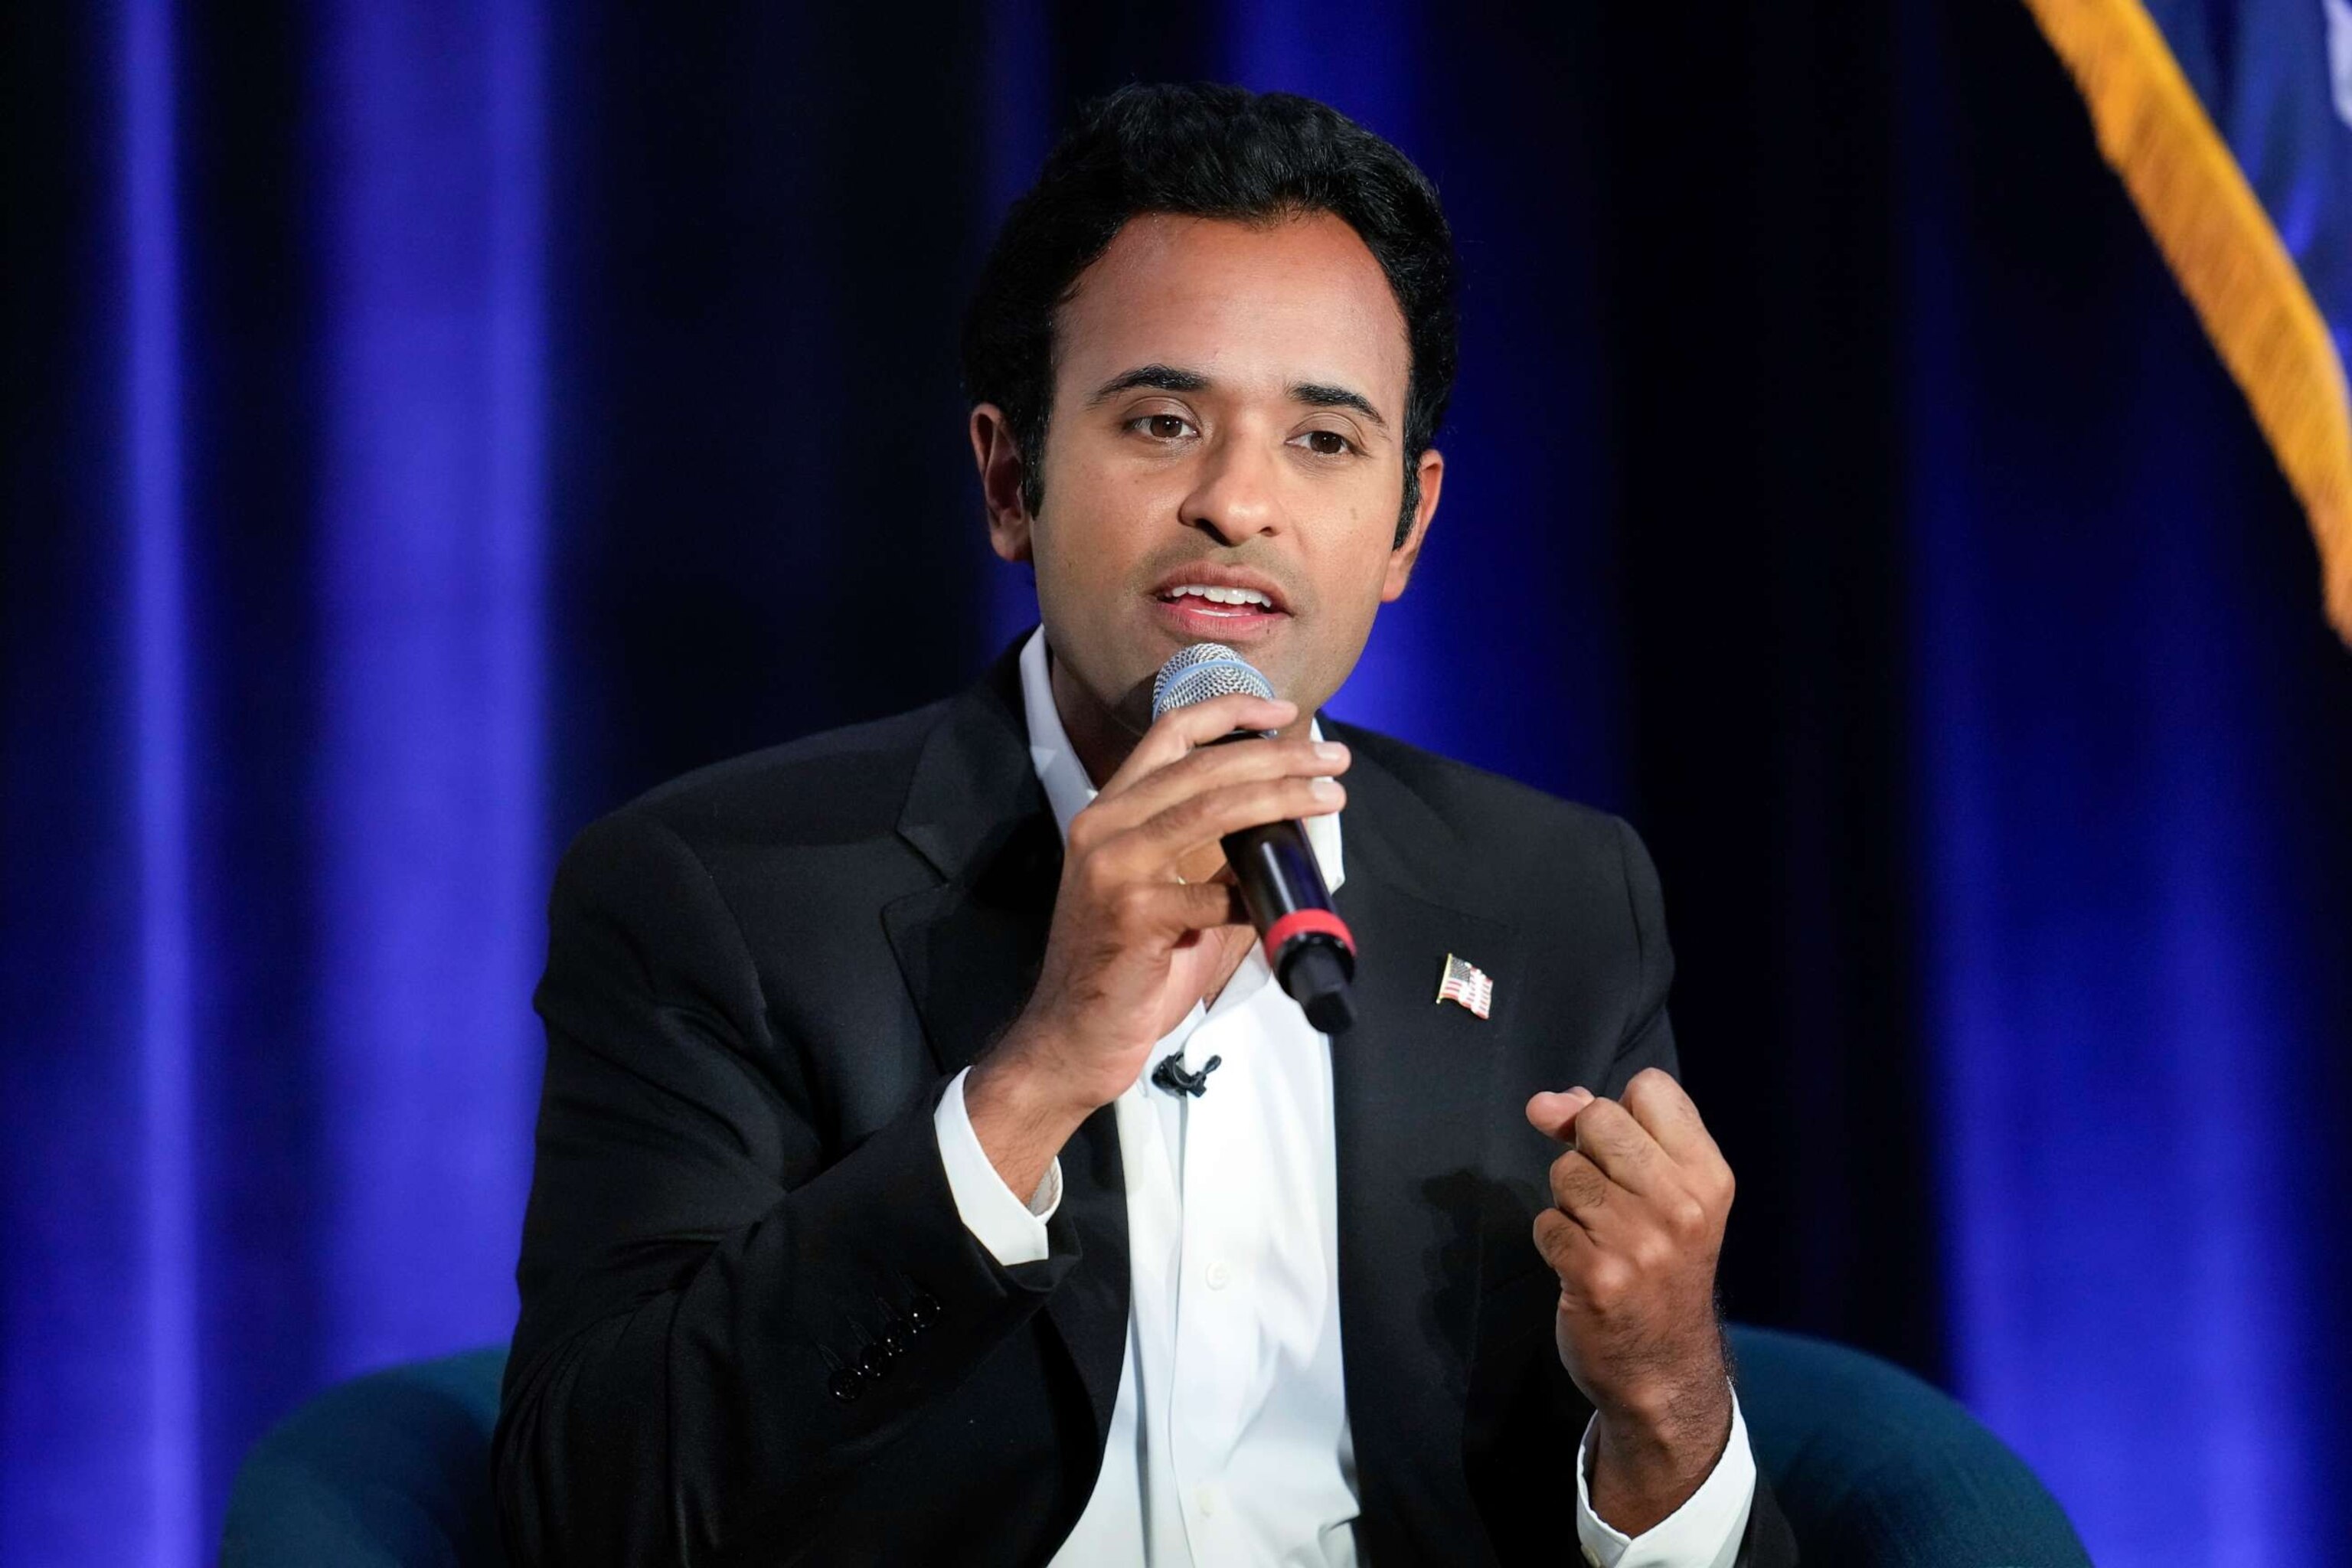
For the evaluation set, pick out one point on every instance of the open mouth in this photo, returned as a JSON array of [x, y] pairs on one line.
[[1205, 599], [1211, 602], [1218, 612]]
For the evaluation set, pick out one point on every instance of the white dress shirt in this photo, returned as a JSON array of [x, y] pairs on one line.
[[1229, 1440]]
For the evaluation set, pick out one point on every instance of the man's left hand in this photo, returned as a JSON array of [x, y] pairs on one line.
[[1639, 1199]]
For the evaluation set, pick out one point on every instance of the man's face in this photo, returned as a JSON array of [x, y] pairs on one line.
[[1228, 415]]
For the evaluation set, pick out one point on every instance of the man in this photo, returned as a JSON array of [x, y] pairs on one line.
[[863, 1227]]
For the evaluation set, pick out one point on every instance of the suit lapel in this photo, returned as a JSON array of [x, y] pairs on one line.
[[1410, 1083], [969, 949], [1412, 1106]]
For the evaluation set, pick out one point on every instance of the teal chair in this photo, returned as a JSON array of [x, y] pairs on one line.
[[1874, 1470]]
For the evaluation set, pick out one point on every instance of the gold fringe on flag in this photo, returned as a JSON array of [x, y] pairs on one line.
[[2212, 228]]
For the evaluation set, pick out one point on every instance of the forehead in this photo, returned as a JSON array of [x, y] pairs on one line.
[[1257, 307]]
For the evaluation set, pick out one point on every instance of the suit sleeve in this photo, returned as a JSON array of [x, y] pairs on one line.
[[1649, 1041], [721, 1317]]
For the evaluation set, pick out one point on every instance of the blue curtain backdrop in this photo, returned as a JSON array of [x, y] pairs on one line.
[[428, 426]]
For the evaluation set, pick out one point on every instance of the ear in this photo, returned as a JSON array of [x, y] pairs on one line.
[[1000, 473], [1432, 469]]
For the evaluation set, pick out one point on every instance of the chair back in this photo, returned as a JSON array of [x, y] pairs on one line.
[[390, 1469], [1873, 1469]]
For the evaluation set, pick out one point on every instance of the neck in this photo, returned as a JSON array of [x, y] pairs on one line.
[[1096, 735]]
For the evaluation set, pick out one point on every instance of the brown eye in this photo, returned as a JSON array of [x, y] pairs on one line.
[[1167, 427], [1317, 442]]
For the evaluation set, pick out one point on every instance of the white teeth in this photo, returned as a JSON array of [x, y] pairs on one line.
[[1222, 595]]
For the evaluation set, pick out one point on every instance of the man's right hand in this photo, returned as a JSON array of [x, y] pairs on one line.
[[1134, 945]]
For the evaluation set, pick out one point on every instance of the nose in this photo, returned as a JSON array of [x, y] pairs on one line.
[[1236, 497]]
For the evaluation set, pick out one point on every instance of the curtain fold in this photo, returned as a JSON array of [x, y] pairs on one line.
[[427, 426]]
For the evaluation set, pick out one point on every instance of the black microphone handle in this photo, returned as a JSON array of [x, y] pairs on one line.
[[1278, 875]]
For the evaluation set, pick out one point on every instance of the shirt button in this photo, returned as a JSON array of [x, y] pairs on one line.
[[1204, 1498], [1218, 1276]]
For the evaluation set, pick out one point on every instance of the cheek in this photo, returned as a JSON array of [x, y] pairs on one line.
[[1343, 620], [1067, 595], [1084, 547], [1377, 529]]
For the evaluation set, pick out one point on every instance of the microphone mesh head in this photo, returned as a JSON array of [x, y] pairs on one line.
[[1198, 673]]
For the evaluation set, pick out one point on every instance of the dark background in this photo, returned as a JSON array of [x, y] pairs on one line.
[[428, 426]]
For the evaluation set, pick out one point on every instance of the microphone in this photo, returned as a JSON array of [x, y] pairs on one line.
[[1306, 943], [1170, 1075]]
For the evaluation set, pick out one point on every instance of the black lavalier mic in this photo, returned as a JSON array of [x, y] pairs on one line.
[[1306, 943]]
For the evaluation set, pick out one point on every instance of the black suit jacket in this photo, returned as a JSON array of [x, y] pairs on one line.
[[754, 1328]]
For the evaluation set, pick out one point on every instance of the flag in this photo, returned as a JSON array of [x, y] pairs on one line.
[[1465, 982], [2230, 123]]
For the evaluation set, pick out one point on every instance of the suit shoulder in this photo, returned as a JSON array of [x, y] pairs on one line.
[[837, 787], [1487, 810], [1577, 879]]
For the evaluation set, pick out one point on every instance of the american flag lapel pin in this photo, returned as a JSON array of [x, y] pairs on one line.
[[1466, 984]]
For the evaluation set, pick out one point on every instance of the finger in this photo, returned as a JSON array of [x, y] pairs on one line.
[[1151, 847], [1656, 1100], [1593, 1277], [1553, 1113], [1580, 1191], [1567, 1245], [1183, 730], [1215, 767], [1171, 910], [1607, 1134]]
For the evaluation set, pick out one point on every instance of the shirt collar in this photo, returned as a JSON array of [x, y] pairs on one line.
[[1069, 791]]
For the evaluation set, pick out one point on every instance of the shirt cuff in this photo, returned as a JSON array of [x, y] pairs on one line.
[[1705, 1532], [1014, 1232]]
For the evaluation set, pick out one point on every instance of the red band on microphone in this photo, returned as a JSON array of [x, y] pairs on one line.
[[1299, 921]]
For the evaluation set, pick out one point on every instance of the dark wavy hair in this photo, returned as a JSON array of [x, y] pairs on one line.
[[1201, 150]]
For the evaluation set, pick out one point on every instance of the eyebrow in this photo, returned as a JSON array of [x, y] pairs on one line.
[[1316, 395], [1171, 378], [1159, 377]]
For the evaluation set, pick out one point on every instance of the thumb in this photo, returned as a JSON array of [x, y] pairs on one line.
[[1554, 1114]]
